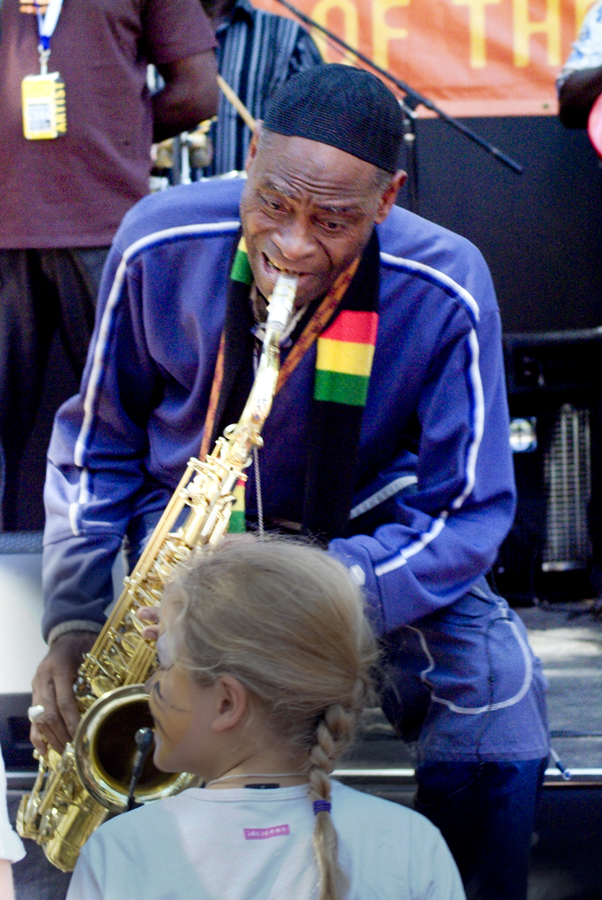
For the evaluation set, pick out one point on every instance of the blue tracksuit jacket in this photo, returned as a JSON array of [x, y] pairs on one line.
[[435, 495]]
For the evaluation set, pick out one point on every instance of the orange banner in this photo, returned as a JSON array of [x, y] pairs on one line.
[[471, 57]]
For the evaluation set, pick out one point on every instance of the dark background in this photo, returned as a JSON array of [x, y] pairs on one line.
[[540, 232]]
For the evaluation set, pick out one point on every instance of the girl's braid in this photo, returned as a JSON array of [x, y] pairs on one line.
[[334, 733]]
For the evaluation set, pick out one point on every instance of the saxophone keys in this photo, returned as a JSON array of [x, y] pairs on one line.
[[100, 684], [131, 641]]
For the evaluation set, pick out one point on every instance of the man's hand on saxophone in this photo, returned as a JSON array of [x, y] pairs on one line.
[[52, 689], [152, 615]]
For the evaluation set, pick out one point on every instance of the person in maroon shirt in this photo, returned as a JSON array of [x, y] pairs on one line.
[[62, 199]]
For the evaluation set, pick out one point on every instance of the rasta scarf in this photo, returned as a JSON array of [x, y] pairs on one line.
[[344, 324]]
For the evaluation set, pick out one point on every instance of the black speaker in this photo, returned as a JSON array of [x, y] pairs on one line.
[[554, 548]]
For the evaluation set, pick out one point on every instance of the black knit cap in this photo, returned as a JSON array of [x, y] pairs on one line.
[[345, 107]]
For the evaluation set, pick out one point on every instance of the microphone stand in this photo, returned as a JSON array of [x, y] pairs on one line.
[[144, 740], [409, 103]]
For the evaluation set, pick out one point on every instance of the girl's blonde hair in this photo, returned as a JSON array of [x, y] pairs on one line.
[[287, 621]]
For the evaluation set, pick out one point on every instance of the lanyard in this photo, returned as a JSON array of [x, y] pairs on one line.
[[46, 26]]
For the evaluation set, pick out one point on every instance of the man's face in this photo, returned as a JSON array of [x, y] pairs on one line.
[[308, 208]]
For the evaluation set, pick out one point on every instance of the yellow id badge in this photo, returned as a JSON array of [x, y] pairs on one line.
[[43, 102]]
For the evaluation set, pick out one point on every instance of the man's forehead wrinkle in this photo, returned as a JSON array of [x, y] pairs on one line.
[[281, 185], [296, 164]]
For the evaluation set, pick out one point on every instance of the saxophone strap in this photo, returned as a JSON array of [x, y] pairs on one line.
[[344, 326]]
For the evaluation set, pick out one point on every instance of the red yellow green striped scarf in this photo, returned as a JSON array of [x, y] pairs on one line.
[[344, 358], [345, 325]]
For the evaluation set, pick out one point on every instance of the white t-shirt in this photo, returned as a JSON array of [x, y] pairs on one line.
[[11, 846], [249, 844]]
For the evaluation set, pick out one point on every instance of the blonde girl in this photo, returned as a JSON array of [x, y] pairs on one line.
[[265, 658]]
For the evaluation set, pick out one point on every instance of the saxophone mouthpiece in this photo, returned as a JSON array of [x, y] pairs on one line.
[[282, 301]]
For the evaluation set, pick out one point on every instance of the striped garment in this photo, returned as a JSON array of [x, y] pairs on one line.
[[257, 52], [237, 523], [345, 351], [344, 358], [241, 270]]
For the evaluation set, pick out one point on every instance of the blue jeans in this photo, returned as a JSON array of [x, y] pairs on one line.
[[486, 813]]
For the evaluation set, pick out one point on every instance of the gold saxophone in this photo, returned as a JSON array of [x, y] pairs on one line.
[[74, 792]]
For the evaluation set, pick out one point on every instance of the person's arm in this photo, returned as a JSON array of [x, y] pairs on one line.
[[179, 41], [7, 889], [52, 688], [95, 471], [190, 95], [119, 448], [577, 94], [441, 533], [11, 846]]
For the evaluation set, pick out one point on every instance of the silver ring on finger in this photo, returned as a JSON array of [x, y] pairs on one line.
[[34, 713]]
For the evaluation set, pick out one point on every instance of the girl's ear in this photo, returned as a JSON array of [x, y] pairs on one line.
[[231, 703]]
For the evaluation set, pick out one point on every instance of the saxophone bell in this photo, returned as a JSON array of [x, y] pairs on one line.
[[105, 752]]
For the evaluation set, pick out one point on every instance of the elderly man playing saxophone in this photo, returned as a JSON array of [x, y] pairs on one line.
[[387, 439]]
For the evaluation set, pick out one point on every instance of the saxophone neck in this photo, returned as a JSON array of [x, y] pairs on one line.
[[262, 393]]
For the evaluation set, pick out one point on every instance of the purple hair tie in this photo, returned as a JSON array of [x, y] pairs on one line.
[[321, 806]]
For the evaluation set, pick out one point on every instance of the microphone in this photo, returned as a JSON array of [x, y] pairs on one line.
[[144, 740]]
